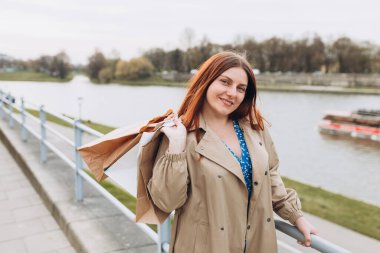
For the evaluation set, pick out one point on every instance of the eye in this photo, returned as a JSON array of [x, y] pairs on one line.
[[241, 89], [224, 81]]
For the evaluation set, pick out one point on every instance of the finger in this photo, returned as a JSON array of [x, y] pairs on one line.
[[301, 243], [307, 241], [314, 231]]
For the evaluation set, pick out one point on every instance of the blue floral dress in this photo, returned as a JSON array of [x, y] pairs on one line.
[[244, 160]]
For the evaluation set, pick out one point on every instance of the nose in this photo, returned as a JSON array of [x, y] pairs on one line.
[[231, 91]]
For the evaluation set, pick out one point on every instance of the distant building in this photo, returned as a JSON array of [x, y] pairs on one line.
[[6, 63], [4, 57]]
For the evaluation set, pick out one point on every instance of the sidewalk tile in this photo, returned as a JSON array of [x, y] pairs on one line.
[[14, 246], [19, 193], [6, 217], [30, 212], [67, 250], [46, 242], [49, 223], [19, 230]]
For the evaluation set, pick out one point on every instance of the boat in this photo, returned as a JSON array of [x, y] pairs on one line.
[[364, 124]]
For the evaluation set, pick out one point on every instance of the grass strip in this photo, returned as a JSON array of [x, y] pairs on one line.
[[150, 81], [350, 213], [32, 76]]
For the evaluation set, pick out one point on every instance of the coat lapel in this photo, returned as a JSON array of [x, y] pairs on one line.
[[211, 147]]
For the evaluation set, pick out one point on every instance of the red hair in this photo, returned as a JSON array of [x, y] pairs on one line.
[[210, 70]]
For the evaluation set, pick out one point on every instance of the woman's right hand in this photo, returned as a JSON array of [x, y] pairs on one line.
[[176, 135]]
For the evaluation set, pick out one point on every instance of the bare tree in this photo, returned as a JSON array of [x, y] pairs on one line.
[[187, 38]]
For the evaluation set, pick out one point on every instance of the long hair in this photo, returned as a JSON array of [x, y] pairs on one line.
[[210, 70]]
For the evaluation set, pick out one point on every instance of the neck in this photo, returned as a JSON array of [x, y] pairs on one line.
[[215, 121]]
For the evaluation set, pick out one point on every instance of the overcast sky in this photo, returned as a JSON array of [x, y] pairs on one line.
[[29, 28]]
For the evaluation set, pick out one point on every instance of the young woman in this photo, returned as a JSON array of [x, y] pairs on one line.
[[217, 167]]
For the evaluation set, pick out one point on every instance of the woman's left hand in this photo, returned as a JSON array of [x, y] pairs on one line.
[[306, 228]]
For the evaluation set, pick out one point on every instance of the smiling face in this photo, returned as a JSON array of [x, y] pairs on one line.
[[226, 93]]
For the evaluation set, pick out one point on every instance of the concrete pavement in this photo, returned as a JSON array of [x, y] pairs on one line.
[[26, 225]]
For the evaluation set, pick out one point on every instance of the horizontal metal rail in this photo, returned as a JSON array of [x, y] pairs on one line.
[[120, 206], [89, 130], [32, 117], [60, 116], [60, 154], [317, 243], [58, 134]]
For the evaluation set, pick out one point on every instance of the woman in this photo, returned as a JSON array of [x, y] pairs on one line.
[[217, 167]]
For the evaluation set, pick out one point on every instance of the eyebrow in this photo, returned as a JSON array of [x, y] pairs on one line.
[[244, 84]]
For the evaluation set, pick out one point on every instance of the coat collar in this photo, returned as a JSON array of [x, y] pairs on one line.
[[211, 147]]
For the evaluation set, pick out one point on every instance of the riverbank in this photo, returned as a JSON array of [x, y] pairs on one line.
[[32, 76], [157, 81], [350, 213], [320, 89]]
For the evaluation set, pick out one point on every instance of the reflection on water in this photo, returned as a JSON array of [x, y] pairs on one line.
[[340, 164]]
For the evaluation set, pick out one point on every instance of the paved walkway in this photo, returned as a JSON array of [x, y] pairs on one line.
[[26, 225], [93, 225]]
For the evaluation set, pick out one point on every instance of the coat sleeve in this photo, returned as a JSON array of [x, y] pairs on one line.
[[285, 201], [169, 182]]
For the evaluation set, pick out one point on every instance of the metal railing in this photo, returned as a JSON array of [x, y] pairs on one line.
[[7, 106]]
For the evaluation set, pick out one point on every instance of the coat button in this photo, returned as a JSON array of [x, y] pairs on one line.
[[255, 183], [260, 143], [268, 220], [202, 148], [266, 173], [249, 226], [222, 228], [219, 176]]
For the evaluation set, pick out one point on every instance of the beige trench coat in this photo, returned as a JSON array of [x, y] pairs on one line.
[[206, 187]]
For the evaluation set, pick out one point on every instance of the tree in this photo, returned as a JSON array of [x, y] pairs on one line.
[[351, 57], [375, 65], [96, 62], [43, 64], [121, 70], [274, 52], [157, 58], [105, 75], [61, 65], [254, 53], [317, 51], [134, 69], [139, 68], [175, 60], [187, 38]]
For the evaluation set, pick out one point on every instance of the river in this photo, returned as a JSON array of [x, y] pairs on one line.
[[342, 165]]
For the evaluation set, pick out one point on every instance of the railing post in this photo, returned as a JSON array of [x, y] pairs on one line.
[[1, 105], [10, 107], [43, 148], [164, 234], [24, 133], [78, 162]]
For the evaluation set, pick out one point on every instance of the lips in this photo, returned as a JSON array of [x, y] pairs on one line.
[[226, 101]]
